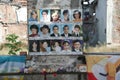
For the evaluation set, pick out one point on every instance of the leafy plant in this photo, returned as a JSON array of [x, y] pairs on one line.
[[1, 46], [13, 44]]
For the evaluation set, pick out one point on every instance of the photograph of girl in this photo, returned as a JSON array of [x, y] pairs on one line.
[[65, 15], [56, 45], [55, 15], [34, 46], [44, 15], [45, 46], [77, 15]]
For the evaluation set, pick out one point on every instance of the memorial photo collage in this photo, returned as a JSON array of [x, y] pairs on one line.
[[55, 31]]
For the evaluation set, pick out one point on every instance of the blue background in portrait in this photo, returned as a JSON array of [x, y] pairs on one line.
[[70, 42], [51, 27], [62, 17], [77, 24], [41, 14], [53, 41], [69, 25], [51, 12], [29, 31], [73, 12], [48, 42], [41, 25], [81, 42]]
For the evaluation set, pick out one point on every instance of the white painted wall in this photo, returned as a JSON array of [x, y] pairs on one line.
[[22, 14], [109, 20], [101, 15]]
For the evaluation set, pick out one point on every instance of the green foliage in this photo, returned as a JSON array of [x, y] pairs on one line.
[[1, 46], [13, 44]]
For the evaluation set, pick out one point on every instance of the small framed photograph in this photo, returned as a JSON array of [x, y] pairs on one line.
[[34, 46], [55, 15], [33, 30], [66, 30], [45, 46], [44, 31], [55, 30], [56, 45], [77, 15], [44, 15], [77, 30], [66, 15]]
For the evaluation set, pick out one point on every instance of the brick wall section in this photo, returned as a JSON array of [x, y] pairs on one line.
[[116, 22], [23, 2], [6, 15], [18, 29]]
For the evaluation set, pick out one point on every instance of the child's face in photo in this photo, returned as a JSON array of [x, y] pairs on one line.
[[66, 30], [34, 31], [77, 15], [55, 30], [77, 45], [77, 30], [56, 44], [45, 44], [44, 30], [55, 17], [66, 46], [66, 16], [34, 45], [34, 15], [44, 14]]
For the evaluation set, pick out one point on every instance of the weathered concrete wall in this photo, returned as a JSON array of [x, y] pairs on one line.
[[113, 21], [116, 22], [101, 16], [109, 21], [108, 15], [8, 14], [18, 29], [59, 4], [1, 31], [12, 20], [53, 63]]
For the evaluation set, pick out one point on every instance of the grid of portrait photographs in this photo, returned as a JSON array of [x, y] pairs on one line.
[[55, 31], [55, 15]]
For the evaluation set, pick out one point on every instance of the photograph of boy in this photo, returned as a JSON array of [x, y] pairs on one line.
[[66, 31], [65, 15], [77, 31], [77, 46], [45, 31], [33, 16], [56, 45], [33, 31], [55, 30], [77, 16], [66, 46], [34, 46], [45, 46], [44, 15], [55, 15]]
